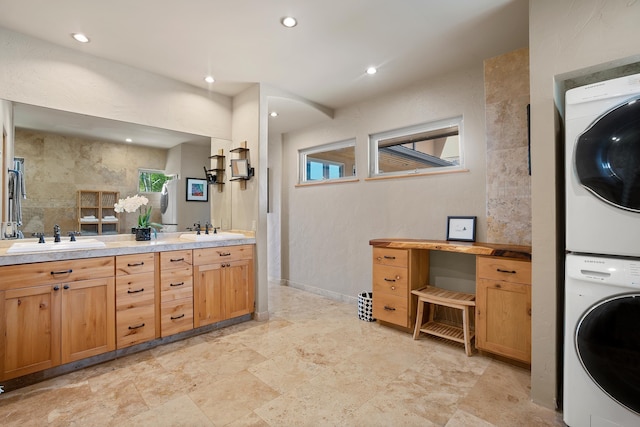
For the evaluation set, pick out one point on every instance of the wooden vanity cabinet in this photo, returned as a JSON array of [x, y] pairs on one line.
[[176, 292], [503, 307], [53, 313], [396, 272], [223, 283], [135, 299]]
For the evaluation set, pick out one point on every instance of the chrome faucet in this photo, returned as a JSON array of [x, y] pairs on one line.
[[56, 233]]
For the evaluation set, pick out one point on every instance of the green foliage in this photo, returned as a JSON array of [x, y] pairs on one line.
[[151, 182]]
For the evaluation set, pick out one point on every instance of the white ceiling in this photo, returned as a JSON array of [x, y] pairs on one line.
[[240, 42]]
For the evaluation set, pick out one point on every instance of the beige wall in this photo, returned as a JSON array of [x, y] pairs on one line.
[[566, 39], [326, 228], [506, 84], [57, 167]]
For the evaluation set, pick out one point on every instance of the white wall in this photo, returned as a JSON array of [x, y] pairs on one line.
[[274, 216], [327, 228], [566, 39]]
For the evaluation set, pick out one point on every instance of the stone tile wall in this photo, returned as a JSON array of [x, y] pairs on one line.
[[506, 84], [58, 166]]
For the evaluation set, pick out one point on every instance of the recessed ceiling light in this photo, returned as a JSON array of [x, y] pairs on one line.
[[372, 70], [209, 79], [274, 114], [128, 140], [289, 21], [80, 37]]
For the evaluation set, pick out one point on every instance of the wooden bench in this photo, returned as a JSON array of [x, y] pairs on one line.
[[456, 300]]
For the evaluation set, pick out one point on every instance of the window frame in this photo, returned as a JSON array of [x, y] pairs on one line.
[[156, 171], [407, 131], [307, 153]]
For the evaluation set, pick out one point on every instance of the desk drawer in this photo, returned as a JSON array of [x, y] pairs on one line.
[[135, 325], [391, 309], [177, 316], [208, 256], [135, 290], [176, 284], [504, 269], [391, 280], [392, 257]]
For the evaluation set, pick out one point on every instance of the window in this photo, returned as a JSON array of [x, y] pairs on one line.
[[328, 162], [424, 148], [151, 181]]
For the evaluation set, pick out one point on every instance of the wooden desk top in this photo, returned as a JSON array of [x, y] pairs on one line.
[[472, 248]]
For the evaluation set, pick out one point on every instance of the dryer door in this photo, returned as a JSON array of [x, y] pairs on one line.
[[608, 346], [607, 157]]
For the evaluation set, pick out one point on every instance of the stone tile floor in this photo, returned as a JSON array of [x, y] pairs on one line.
[[314, 363]]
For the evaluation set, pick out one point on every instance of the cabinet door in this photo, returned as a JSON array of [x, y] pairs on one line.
[[208, 282], [239, 293], [88, 318], [503, 318], [31, 339]]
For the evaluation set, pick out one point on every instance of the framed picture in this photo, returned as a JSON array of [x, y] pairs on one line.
[[197, 190], [461, 228]]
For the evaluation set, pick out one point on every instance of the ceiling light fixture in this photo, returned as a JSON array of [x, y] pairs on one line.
[[80, 37], [274, 114], [372, 70], [209, 79], [128, 140], [289, 21]]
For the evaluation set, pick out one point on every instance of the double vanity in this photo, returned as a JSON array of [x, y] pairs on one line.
[[67, 305]]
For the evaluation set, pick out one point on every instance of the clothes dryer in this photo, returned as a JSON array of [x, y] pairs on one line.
[[169, 205], [602, 342], [603, 167]]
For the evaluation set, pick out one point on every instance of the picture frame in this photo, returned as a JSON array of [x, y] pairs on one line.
[[197, 190], [461, 228]]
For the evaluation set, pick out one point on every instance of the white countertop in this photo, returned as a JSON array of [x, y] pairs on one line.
[[119, 244]]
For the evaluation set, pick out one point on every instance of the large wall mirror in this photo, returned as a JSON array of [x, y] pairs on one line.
[[65, 154]]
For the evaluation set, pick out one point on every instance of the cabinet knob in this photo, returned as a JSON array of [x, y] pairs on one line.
[[65, 287], [393, 288], [56, 288]]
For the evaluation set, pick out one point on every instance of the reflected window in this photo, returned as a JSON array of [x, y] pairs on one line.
[[423, 148], [151, 181], [328, 162]]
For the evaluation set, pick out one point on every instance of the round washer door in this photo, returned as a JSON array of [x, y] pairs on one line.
[[608, 346], [607, 156]]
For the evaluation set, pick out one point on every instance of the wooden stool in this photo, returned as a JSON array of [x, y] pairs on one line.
[[458, 300]]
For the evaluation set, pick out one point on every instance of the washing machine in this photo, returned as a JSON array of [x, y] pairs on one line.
[[603, 167], [169, 205], [602, 342]]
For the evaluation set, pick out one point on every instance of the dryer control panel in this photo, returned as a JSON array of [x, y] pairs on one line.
[[612, 271]]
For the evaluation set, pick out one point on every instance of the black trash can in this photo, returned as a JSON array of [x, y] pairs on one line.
[[365, 306]]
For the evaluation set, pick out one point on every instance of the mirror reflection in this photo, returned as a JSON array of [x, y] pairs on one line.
[[75, 167]]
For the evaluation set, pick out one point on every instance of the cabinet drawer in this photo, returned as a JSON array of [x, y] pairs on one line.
[[46, 273], [177, 316], [391, 309], [135, 290], [132, 264], [394, 257], [175, 259], [392, 280], [135, 325], [220, 254], [505, 269], [176, 284]]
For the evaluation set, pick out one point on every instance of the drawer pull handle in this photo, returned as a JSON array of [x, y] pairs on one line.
[[389, 257], [499, 270], [225, 253], [389, 280], [177, 317], [141, 325], [386, 307], [69, 271], [135, 264], [176, 284], [136, 291], [176, 259]]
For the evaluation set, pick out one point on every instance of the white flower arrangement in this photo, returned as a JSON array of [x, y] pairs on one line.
[[134, 203]]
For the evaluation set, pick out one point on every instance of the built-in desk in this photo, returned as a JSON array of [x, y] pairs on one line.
[[503, 289]]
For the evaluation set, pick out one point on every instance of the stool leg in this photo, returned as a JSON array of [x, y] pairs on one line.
[[465, 329], [416, 330]]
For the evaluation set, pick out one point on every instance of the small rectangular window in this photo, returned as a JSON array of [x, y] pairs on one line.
[[332, 162], [423, 148], [151, 181]]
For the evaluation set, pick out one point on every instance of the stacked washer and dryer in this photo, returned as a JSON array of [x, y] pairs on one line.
[[602, 283]]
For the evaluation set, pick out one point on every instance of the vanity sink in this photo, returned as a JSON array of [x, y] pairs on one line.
[[24, 247], [211, 237]]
